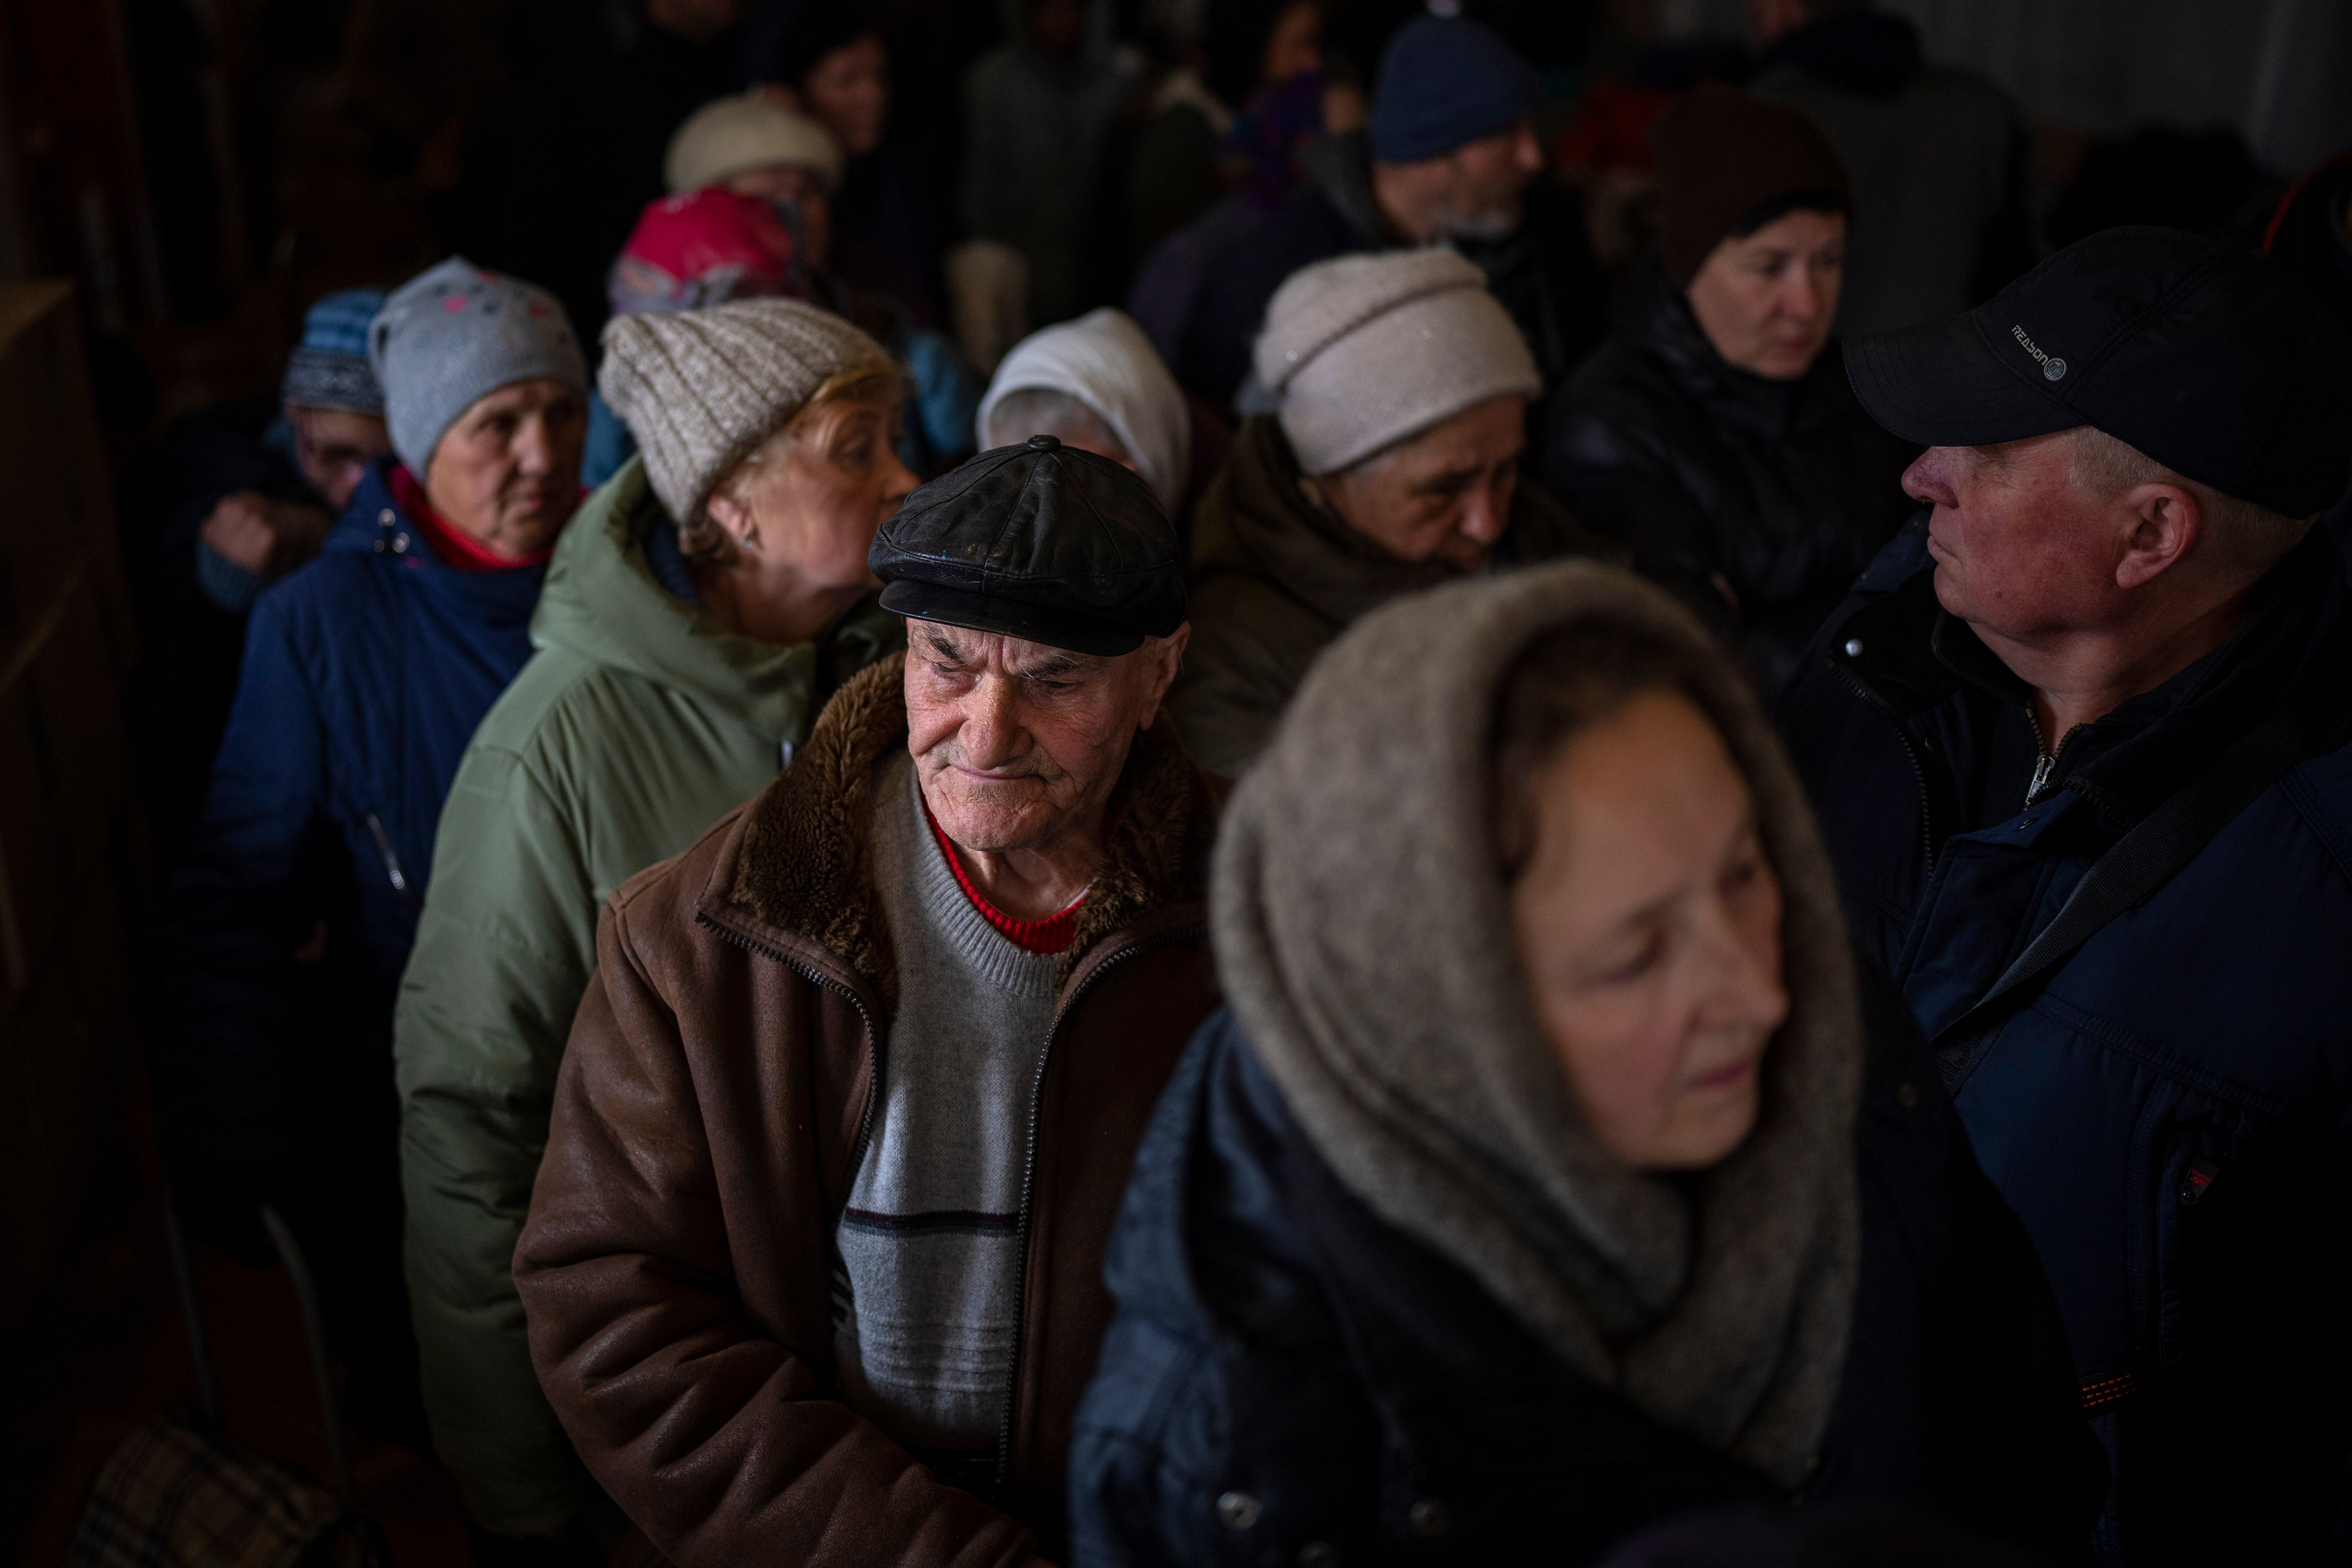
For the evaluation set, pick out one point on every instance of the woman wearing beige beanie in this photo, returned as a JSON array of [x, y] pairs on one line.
[[1390, 465], [706, 601]]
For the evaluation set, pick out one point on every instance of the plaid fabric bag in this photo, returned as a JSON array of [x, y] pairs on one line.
[[179, 1493], [174, 1495]]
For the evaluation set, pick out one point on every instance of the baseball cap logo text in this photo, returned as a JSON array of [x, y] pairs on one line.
[[2052, 366]]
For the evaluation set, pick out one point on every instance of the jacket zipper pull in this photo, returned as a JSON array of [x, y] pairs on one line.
[[408, 895], [2043, 765], [2199, 1178]]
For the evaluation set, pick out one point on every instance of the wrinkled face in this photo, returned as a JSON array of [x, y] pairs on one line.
[[334, 448], [2020, 550], [1018, 744], [1447, 493], [1295, 46], [849, 90], [506, 473], [806, 505], [1767, 301], [1484, 193], [803, 190], [1648, 925]]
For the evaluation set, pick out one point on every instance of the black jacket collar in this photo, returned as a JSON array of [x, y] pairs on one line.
[[1906, 655]]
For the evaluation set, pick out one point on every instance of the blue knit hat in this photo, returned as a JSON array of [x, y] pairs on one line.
[[1445, 80], [454, 334], [329, 368]]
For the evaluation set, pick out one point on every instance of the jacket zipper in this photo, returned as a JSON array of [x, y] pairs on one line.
[[1029, 1180], [1918, 768], [408, 896], [873, 1050]]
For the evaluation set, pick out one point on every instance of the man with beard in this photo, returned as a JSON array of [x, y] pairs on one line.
[[1450, 157]]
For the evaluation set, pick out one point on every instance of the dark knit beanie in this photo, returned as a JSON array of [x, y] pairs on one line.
[[1724, 158], [1445, 80]]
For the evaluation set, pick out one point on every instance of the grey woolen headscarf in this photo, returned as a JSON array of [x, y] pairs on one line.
[[1363, 931]]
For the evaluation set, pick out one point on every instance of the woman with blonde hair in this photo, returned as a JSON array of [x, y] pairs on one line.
[[708, 601]]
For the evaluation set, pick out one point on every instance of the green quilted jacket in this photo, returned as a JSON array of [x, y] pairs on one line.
[[637, 723]]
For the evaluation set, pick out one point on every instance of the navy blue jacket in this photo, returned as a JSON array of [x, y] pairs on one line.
[[2167, 1111], [1289, 1380], [365, 673]]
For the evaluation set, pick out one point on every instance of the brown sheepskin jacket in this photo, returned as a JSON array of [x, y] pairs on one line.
[[712, 1110]]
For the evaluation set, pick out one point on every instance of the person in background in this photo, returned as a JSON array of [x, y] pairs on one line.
[[2310, 234], [1391, 466], [240, 496], [2078, 741], [1037, 116], [831, 62], [1188, 151], [1096, 385], [578, 152], [1451, 156], [295, 904], [699, 613], [814, 1267], [687, 253], [1938, 159], [1564, 1174], [1714, 434], [1269, 57], [760, 151]]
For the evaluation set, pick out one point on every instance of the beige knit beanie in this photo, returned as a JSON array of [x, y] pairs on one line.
[[729, 135], [702, 389], [1364, 352]]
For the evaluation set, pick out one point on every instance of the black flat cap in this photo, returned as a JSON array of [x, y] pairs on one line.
[[2206, 356], [1040, 542]]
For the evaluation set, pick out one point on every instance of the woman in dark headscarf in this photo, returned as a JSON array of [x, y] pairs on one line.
[[1551, 1168]]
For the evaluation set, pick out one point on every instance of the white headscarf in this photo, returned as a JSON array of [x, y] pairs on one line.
[[1103, 360]]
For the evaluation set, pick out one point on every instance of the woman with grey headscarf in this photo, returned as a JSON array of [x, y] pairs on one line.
[[1551, 1168], [1098, 384]]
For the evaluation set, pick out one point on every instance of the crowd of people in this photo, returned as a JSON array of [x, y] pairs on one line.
[[1418, 900]]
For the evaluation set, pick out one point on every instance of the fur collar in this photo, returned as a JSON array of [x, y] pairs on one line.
[[807, 863]]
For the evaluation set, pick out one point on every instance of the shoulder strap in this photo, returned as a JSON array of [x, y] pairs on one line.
[[2167, 839]]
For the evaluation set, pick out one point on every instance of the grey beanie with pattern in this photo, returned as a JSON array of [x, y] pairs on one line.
[[454, 334], [702, 389]]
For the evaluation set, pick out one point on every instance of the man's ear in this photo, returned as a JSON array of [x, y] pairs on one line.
[[2167, 525], [1169, 658]]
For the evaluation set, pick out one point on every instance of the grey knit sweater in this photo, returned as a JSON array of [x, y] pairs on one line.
[[926, 1289]]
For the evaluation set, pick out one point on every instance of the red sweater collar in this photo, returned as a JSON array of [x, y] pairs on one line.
[[456, 550], [1055, 934]]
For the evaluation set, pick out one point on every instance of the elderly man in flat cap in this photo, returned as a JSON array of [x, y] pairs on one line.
[[814, 1267]]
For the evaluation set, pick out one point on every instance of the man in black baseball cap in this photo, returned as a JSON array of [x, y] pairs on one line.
[[2079, 744], [859, 1077]]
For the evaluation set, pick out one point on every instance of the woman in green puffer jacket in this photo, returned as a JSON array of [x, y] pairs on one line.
[[704, 605]]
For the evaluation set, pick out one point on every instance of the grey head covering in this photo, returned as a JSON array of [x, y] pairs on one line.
[[1389, 1008], [454, 334]]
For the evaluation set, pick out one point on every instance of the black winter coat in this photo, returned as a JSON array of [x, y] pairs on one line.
[[1289, 1380], [1780, 492], [1544, 275], [2169, 1108]]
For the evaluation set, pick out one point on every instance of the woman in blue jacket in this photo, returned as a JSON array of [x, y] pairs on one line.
[[1551, 1168], [295, 902]]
